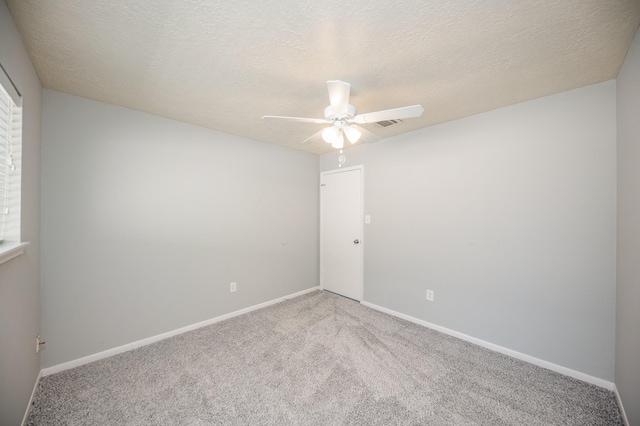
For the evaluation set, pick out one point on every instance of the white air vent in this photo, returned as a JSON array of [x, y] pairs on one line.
[[387, 123]]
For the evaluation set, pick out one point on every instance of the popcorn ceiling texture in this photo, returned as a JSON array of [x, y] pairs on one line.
[[223, 64]]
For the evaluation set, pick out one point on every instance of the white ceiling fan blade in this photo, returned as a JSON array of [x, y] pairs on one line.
[[316, 137], [389, 114], [298, 119], [339, 96]]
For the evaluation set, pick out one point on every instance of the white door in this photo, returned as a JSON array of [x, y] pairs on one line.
[[341, 217]]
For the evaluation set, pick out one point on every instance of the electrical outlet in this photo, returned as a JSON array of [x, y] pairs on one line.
[[232, 287], [430, 295]]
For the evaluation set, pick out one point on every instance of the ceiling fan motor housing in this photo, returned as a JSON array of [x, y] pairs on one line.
[[330, 114]]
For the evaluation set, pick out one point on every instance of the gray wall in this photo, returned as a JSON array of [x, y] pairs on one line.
[[628, 289], [510, 217], [146, 221], [20, 277]]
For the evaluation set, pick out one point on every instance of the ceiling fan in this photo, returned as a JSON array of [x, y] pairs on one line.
[[341, 116]]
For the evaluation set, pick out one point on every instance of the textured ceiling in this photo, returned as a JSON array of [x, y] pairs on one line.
[[224, 64]]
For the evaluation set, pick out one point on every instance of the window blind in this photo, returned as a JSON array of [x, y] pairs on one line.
[[10, 150]]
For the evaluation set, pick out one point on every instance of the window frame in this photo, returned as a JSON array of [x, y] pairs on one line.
[[13, 246]]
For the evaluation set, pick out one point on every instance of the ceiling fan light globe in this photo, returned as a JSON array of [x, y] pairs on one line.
[[352, 133], [330, 134], [338, 143]]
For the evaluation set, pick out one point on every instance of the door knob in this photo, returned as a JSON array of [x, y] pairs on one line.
[[356, 241]]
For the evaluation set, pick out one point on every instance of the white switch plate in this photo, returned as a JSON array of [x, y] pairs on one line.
[[430, 295], [367, 219], [232, 287]]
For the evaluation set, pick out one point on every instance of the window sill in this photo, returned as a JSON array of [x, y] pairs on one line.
[[10, 250]]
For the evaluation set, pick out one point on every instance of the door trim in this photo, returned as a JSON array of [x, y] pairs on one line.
[[361, 230]]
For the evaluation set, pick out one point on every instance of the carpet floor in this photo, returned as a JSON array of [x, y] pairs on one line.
[[318, 359]]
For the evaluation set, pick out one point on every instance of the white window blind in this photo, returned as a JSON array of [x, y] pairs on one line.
[[10, 153]]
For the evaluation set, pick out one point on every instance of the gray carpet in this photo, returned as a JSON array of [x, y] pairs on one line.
[[318, 359]]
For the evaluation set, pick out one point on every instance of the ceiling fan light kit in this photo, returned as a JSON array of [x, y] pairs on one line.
[[341, 116]]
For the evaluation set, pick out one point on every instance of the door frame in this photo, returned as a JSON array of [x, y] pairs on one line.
[[361, 221]]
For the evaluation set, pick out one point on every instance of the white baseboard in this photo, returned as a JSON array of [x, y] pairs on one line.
[[518, 355], [134, 345], [625, 420], [33, 392]]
